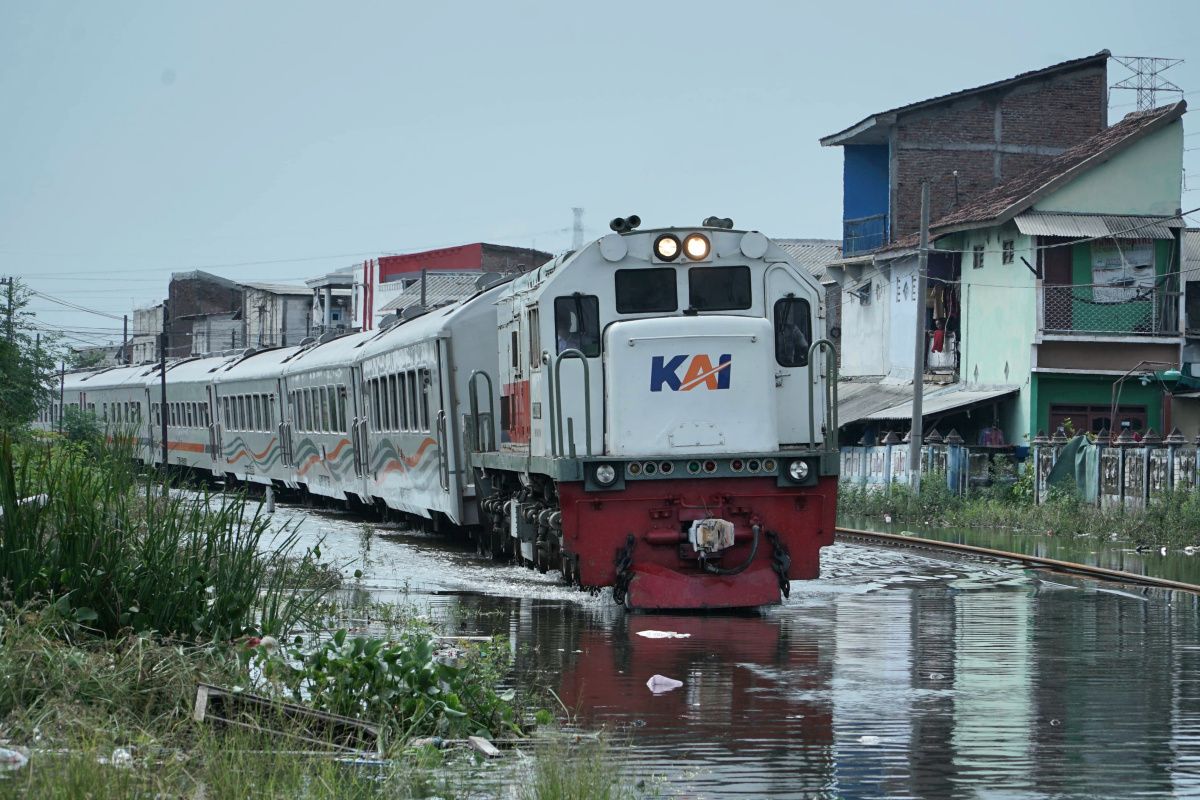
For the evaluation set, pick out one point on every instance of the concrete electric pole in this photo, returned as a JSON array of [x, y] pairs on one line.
[[917, 432]]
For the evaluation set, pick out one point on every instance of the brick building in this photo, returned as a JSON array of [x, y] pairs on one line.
[[195, 297], [963, 143], [382, 280]]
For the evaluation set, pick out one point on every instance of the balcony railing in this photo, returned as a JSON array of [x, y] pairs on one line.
[[1109, 310], [864, 234]]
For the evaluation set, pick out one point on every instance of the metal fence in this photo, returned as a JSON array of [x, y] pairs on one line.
[[1110, 309], [1124, 474]]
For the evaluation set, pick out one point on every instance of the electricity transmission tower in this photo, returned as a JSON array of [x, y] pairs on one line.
[[1147, 78]]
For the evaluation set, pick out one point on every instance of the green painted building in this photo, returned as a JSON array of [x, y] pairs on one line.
[[1070, 281]]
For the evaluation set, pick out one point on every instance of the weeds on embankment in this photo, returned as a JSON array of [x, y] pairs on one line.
[[118, 597], [1172, 520], [118, 555]]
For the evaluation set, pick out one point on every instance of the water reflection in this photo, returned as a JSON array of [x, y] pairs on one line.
[[894, 675]]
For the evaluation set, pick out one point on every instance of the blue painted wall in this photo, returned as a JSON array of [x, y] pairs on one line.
[[864, 194]]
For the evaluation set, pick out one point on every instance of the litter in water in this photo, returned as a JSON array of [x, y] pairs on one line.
[[663, 635], [660, 683]]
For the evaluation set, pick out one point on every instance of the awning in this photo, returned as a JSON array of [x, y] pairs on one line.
[[859, 399], [1085, 226], [939, 399]]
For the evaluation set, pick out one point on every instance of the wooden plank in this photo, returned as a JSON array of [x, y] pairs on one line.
[[483, 746], [219, 706]]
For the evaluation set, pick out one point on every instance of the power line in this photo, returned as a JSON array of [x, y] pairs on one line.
[[75, 306]]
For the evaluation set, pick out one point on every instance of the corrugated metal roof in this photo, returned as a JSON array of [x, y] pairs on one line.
[[280, 288], [859, 399], [1191, 254], [812, 254], [1093, 225], [439, 288], [937, 399]]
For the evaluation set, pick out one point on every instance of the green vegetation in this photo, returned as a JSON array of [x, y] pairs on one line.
[[1169, 520], [118, 597], [25, 362]]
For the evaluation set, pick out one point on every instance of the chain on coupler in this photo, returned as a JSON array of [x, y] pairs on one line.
[[623, 562], [781, 562]]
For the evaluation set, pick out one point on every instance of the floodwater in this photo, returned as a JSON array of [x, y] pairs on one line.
[[893, 675], [1178, 564]]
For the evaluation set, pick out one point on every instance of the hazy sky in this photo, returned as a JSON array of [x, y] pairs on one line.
[[144, 138]]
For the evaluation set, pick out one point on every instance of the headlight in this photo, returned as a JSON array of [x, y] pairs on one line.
[[696, 246], [605, 474], [798, 470], [666, 247]]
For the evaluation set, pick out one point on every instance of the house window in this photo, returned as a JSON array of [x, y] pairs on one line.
[[977, 257], [1006, 250]]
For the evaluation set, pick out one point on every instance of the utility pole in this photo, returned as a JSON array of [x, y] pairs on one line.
[[916, 434], [62, 393], [125, 340], [162, 390]]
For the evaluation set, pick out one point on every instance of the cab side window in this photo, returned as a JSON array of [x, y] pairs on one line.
[[577, 324], [793, 331]]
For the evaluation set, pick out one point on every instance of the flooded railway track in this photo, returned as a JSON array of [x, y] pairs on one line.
[[904, 541]]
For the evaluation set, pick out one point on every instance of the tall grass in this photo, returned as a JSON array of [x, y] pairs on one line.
[[117, 553], [1172, 519]]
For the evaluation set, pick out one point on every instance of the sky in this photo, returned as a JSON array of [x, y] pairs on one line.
[[277, 141]]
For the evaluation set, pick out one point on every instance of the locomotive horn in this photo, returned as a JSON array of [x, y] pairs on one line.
[[717, 222], [619, 225], [634, 221]]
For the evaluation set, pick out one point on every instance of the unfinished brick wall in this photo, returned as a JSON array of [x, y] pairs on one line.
[[989, 138]]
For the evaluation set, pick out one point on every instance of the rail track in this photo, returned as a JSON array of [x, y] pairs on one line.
[[918, 543]]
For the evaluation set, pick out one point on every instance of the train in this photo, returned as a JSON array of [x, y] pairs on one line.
[[651, 413]]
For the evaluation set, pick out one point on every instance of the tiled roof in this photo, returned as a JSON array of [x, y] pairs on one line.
[[812, 254], [1018, 194], [882, 116]]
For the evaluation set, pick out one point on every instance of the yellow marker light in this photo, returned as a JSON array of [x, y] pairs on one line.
[[667, 247], [696, 246]]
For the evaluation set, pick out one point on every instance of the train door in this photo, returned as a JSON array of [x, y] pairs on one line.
[[358, 428], [214, 429], [282, 433], [792, 309], [514, 385]]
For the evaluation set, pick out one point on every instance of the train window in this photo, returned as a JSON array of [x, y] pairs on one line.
[[393, 383], [641, 291], [341, 396], [104, 411], [412, 401], [403, 413], [577, 324], [331, 395], [375, 418], [171, 414], [256, 412], [225, 411], [324, 409], [793, 331], [514, 346], [535, 340], [719, 288], [425, 386], [243, 415]]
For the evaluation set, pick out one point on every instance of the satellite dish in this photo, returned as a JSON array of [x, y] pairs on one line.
[[487, 280]]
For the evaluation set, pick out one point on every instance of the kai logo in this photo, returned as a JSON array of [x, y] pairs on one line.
[[699, 372]]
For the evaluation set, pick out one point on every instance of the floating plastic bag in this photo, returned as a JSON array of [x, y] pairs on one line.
[[663, 635], [660, 683]]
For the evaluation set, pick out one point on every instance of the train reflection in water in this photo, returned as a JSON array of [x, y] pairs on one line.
[[891, 677]]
